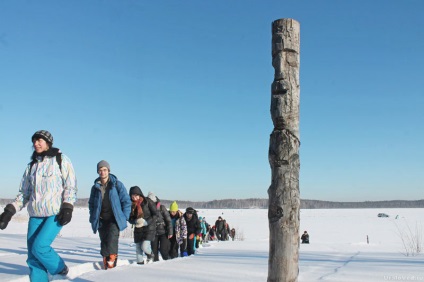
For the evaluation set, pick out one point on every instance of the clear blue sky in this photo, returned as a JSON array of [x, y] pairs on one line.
[[176, 94]]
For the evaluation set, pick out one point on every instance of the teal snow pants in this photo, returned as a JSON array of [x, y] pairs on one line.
[[42, 258]]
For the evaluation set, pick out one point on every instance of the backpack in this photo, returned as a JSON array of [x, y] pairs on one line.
[[58, 160]]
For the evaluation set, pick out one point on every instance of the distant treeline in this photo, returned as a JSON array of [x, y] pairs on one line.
[[256, 203]]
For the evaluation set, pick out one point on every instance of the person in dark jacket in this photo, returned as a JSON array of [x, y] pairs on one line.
[[193, 230], [164, 230], [220, 228], [305, 238], [233, 234], [144, 216], [211, 233], [109, 206]]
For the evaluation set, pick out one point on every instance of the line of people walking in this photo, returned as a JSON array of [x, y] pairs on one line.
[[171, 234], [156, 230], [49, 190]]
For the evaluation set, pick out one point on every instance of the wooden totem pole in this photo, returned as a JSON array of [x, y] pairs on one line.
[[283, 193]]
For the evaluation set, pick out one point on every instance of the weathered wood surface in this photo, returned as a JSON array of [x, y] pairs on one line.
[[283, 193]]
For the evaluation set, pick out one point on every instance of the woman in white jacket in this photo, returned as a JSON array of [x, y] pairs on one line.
[[48, 189]]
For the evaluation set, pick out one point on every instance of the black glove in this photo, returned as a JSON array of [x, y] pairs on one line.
[[6, 216], [65, 214]]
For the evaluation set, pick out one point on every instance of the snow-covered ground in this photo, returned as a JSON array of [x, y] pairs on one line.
[[338, 249]]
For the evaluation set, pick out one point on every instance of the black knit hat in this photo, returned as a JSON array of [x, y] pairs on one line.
[[43, 134], [190, 210], [135, 190]]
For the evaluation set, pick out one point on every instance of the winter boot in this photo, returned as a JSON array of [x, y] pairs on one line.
[[150, 258], [62, 275], [64, 271], [111, 263]]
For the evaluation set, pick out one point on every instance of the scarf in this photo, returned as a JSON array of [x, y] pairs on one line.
[[137, 211], [51, 152]]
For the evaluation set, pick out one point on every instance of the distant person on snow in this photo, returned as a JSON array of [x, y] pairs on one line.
[[109, 207], [227, 231], [207, 229], [212, 233], [202, 230], [144, 216], [305, 238], [48, 189], [220, 228], [233, 233]]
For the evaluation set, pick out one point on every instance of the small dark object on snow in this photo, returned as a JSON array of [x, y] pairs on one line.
[[305, 238]]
